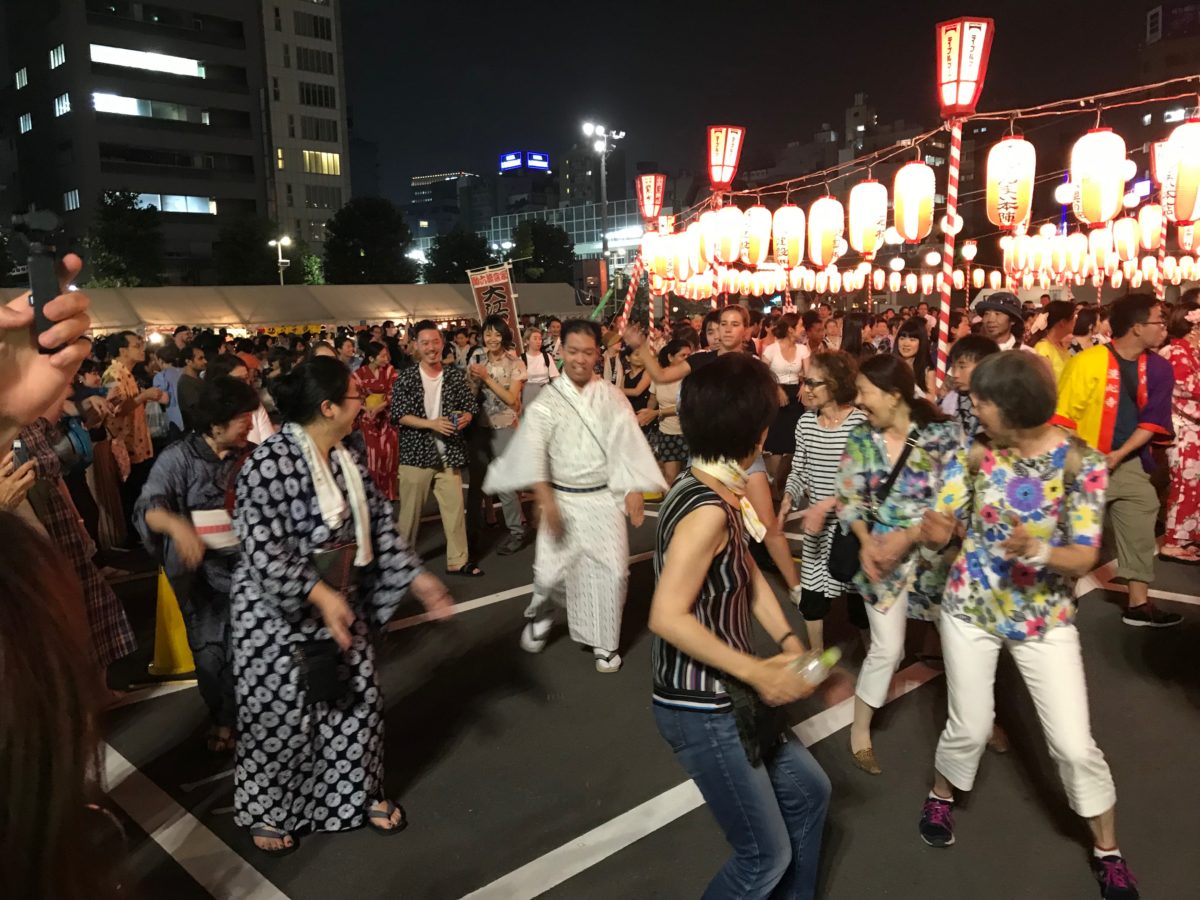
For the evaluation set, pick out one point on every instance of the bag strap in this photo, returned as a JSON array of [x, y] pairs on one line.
[[886, 489]]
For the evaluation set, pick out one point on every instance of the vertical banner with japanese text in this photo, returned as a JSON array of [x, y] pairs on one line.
[[494, 296]]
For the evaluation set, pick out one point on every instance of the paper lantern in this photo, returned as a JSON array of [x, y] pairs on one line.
[[796, 279], [659, 254], [878, 279], [787, 235], [927, 284], [822, 282], [1098, 173], [1150, 226], [729, 230], [895, 280], [1011, 166], [757, 242], [835, 280], [681, 257], [1185, 236], [810, 280], [868, 217], [969, 250], [1149, 267], [912, 201], [1135, 280], [1126, 237], [826, 223], [960, 279], [1077, 251], [1056, 255], [1100, 245], [709, 227], [995, 279], [911, 283], [1169, 266], [724, 151], [650, 194], [963, 49], [1184, 201], [1160, 161], [977, 278]]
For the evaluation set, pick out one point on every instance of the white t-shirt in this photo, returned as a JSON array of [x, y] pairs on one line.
[[433, 402], [539, 372], [668, 396], [786, 372]]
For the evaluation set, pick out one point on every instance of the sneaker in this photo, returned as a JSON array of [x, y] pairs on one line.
[[937, 822], [534, 635], [1116, 881], [1150, 616], [513, 543], [607, 663]]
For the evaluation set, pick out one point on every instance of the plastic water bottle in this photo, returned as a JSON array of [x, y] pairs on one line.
[[815, 667]]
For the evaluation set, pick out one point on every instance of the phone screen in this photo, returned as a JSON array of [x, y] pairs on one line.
[[20, 454]]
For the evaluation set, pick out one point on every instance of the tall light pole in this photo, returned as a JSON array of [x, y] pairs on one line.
[[279, 243], [602, 146]]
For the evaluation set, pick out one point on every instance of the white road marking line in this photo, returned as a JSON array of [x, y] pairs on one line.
[[548, 871], [204, 856], [1157, 595], [1095, 578], [192, 785], [149, 693]]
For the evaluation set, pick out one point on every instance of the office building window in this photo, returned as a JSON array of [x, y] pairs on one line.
[[290, 196], [25, 123], [287, 56], [316, 231], [311, 60], [291, 125], [151, 62], [58, 56], [322, 95], [279, 157], [71, 200], [151, 109], [318, 162], [21, 78], [309, 25], [318, 196], [62, 104], [176, 203], [278, 20], [275, 88], [314, 129]]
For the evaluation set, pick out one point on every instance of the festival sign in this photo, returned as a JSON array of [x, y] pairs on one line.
[[494, 296]]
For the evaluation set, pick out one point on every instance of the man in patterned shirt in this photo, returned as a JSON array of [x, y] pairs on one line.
[[128, 423], [431, 407]]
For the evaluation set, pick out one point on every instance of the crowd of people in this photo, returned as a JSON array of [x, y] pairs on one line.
[[280, 482]]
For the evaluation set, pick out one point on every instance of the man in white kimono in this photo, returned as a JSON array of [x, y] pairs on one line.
[[580, 448]]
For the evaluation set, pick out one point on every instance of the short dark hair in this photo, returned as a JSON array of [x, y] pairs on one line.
[[1130, 310], [840, 369], [1086, 321], [726, 407], [118, 342], [892, 375], [499, 324], [810, 318], [181, 329], [223, 399], [741, 311], [373, 349], [300, 393], [673, 346], [784, 324], [223, 365], [582, 326], [1020, 384], [973, 346], [168, 353], [423, 325], [1058, 311]]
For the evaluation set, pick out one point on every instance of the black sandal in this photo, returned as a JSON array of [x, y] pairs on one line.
[[385, 815], [272, 833], [469, 570]]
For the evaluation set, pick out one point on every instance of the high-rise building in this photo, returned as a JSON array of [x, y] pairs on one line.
[[191, 104], [306, 115], [579, 176]]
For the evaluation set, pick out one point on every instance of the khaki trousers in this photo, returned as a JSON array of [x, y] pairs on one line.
[[448, 492], [1132, 513]]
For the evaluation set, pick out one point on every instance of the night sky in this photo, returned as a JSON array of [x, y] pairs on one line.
[[448, 86]]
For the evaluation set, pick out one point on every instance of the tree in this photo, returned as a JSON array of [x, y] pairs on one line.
[[452, 254], [314, 269], [552, 255], [366, 242], [124, 244], [242, 253]]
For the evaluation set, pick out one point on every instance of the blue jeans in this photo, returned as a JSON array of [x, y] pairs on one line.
[[772, 815]]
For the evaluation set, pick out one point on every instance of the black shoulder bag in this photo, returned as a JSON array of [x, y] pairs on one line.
[[844, 551]]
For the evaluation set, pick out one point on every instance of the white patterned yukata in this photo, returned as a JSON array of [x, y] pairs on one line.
[[587, 445], [303, 766]]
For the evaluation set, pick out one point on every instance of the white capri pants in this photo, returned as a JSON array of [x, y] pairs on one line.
[[1052, 669], [886, 650]]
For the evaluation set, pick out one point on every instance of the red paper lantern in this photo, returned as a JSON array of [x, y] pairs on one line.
[[724, 151], [963, 48], [650, 195]]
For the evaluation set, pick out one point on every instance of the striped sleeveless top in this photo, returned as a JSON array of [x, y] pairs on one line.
[[722, 606]]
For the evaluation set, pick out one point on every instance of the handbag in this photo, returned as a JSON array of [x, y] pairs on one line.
[[320, 667], [844, 552]]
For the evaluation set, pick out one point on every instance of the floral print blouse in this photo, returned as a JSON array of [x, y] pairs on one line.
[[864, 469], [1004, 596]]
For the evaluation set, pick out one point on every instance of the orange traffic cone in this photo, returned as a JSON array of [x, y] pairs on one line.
[[172, 655]]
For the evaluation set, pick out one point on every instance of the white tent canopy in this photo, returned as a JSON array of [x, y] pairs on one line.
[[256, 306]]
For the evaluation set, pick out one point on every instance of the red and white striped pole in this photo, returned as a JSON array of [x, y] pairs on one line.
[[943, 343], [635, 280]]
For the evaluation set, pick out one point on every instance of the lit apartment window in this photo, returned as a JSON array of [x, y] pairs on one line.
[[62, 104], [318, 162], [279, 157], [71, 200], [25, 123], [177, 203], [423, 223], [58, 56], [151, 109], [21, 78], [151, 62]]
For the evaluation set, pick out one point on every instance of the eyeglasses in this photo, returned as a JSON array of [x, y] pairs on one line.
[[353, 397], [813, 383], [1159, 322]]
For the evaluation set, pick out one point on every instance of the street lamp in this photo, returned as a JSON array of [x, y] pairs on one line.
[[279, 243], [603, 146]]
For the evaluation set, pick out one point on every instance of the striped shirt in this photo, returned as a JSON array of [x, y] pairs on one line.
[[722, 606], [814, 478]]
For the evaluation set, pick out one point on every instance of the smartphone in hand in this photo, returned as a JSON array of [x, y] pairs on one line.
[[20, 454]]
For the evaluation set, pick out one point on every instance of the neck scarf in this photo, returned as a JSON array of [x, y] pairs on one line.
[[733, 477], [333, 504]]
